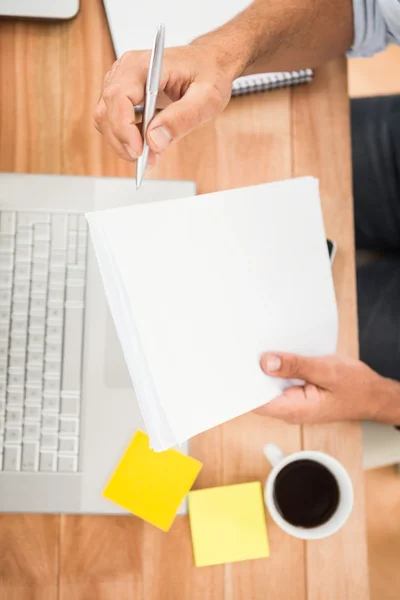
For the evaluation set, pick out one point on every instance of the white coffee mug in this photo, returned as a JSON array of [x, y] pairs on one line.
[[278, 461]]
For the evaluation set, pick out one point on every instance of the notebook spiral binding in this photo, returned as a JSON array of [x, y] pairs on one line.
[[270, 81]]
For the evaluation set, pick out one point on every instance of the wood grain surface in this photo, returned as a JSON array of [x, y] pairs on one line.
[[50, 79]]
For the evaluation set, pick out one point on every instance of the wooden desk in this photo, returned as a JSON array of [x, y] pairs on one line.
[[50, 79]]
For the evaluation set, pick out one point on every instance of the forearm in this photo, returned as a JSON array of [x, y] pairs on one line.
[[387, 402], [290, 34]]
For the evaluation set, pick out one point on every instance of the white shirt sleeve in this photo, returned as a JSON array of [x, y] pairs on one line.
[[376, 24]]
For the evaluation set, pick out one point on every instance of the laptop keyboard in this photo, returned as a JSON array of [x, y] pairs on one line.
[[42, 294]]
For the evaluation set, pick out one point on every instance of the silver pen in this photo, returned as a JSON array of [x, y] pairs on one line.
[[152, 85]]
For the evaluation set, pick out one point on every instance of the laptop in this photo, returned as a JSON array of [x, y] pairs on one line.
[[67, 406], [39, 9]]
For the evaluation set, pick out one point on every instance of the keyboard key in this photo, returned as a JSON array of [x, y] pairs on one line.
[[33, 394], [20, 307], [54, 331], [73, 348], [6, 279], [36, 341], [42, 231], [55, 313], [39, 289], [49, 422], [12, 458], [13, 434], [5, 312], [56, 296], [75, 293], [15, 399], [22, 271], [51, 385], [38, 306], [56, 276], [41, 248], [48, 461], [22, 254], [53, 349], [6, 261], [69, 406], [49, 441], [68, 445], [23, 237], [19, 324], [7, 222], [40, 270], [18, 342], [34, 375], [67, 464], [35, 358], [21, 291], [16, 380], [3, 369], [52, 367], [51, 404], [76, 273], [31, 431], [59, 224], [2, 408], [69, 425], [36, 322], [58, 258], [5, 297], [1, 425], [30, 456], [32, 413], [6, 242], [14, 416]]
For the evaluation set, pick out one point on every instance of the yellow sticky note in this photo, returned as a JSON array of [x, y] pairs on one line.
[[151, 484], [228, 524]]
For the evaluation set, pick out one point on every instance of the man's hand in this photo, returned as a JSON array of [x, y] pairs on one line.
[[337, 389], [196, 79], [290, 35]]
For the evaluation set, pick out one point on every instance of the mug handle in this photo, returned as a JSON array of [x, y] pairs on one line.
[[273, 454]]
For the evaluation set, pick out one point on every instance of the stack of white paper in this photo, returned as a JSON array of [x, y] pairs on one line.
[[200, 287]]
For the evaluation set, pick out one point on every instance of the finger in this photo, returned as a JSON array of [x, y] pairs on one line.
[[319, 370], [120, 114], [295, 405], [201, 102], [120, 149]]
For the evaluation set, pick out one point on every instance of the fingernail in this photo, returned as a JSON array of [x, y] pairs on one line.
[[149, 166], [131, 152], [161, 137], [273, 363]]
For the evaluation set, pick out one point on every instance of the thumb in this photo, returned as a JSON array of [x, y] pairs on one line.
[[317, 370], [201, 102]]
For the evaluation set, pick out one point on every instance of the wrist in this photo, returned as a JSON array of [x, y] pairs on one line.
[[385, 405], [238, 43]]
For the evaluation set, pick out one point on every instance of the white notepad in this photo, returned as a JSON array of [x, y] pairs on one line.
[[200, 287]]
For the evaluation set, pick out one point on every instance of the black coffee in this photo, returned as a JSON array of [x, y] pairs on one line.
[[306, 493]]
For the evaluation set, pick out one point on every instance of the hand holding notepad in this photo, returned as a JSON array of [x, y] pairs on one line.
[[199, 288]]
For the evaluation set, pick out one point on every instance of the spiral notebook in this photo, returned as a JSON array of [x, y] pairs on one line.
[[263, 82], [199, 287]]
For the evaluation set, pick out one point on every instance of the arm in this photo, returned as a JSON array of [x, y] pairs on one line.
[[197, 78], [292, 34]]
